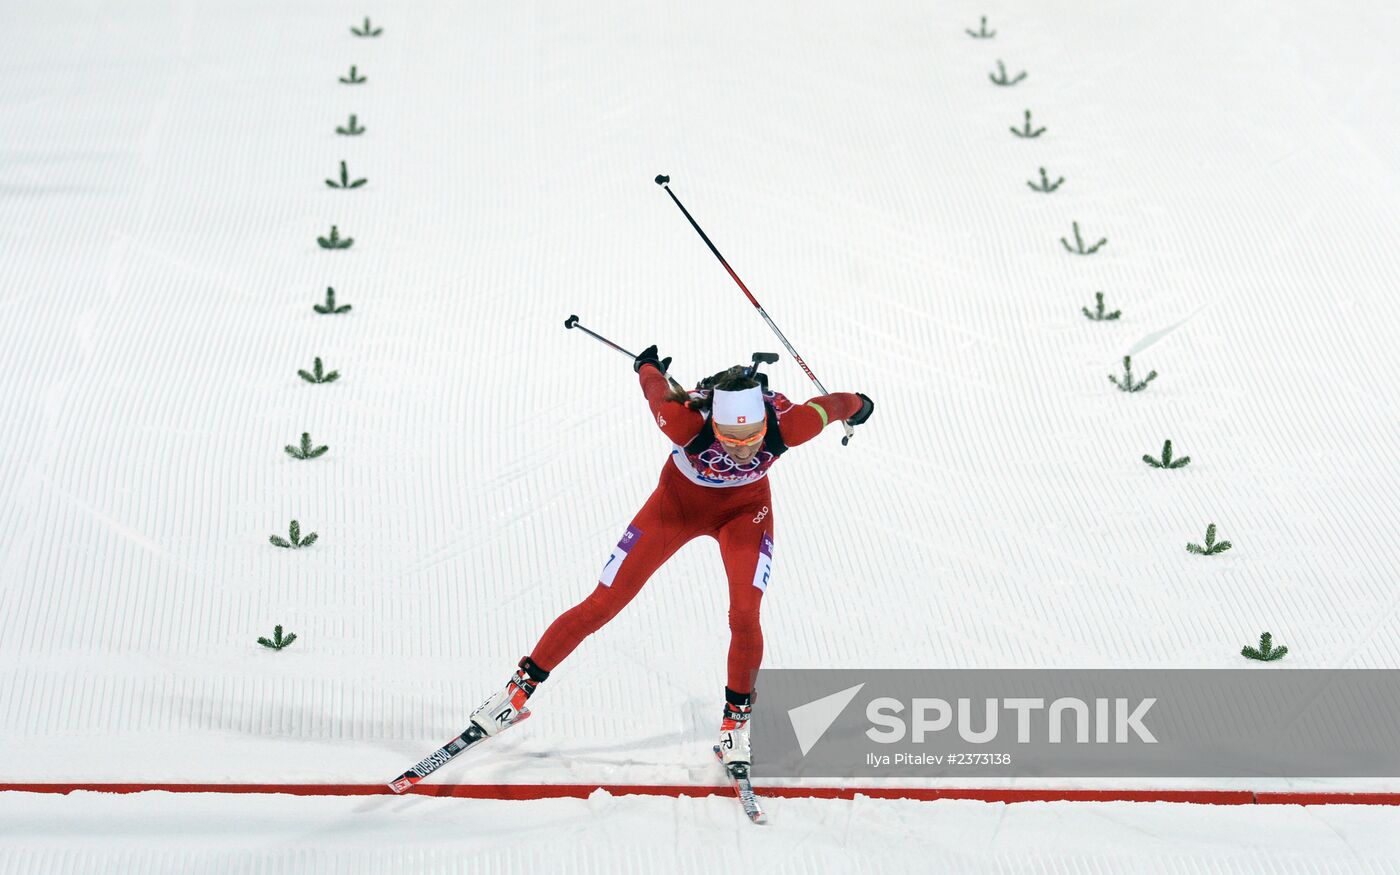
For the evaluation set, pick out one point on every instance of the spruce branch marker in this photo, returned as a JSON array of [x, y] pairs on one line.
[[982, 33], [999, 77], [1211, 547], [1127, 384], [1099, 315], [296, 541], [351, 130], [334, 241], [1078, 248], [319, 376], [1027, 132], [330, 306], [367, 30], [354, 78], [345, 181], [1266, 652], [1046, 186], [1167, 461], [305, 451], [278, 642]]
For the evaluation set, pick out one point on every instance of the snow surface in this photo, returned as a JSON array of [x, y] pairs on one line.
[[160, 193], [160, 832]]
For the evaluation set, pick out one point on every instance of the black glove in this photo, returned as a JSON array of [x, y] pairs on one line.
[[867, 407], [649, 357]]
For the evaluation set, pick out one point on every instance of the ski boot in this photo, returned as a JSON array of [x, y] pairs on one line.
[[507, 708], [734, 728]]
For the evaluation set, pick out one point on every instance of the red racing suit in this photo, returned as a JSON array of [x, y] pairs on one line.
[[701, 492]]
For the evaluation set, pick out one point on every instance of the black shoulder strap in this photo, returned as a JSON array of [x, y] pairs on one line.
[[773, 440], [701, 442]]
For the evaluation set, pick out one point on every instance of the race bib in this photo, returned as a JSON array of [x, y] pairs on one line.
[[629, 540]]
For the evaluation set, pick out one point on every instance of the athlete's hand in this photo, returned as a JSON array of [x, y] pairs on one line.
[[867, 407], [649, 357]]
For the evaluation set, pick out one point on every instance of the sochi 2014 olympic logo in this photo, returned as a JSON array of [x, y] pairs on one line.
[[720, 462]]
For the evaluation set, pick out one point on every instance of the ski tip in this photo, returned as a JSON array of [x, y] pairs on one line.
[[401, 784]]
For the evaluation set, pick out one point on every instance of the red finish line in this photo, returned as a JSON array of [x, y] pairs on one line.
[[583, 791]]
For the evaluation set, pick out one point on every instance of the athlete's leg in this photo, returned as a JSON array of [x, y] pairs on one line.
[[656, 532], [746, 543]]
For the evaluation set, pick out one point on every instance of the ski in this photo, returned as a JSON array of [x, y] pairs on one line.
[[739, 780], [438, 758]]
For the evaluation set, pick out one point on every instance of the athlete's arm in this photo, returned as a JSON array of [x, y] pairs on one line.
[[678, 422], [802, 422]]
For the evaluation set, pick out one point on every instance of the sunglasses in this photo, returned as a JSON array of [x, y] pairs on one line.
[[740, 442]]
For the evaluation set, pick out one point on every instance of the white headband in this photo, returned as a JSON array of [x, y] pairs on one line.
[[744, 407]]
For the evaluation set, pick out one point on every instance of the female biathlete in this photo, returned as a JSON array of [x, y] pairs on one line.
[[726, 435]]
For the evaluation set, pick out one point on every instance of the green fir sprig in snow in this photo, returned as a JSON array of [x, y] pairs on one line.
[[306, 450], [329, 306], [1127, 384], [1211, 548], [981, 33], [345, 180], [367, 30], [1266, 651], [294, 539], [335, 241], [1000, 77], [1027, 132], [1167, 461], [320, 376], [278, 642]]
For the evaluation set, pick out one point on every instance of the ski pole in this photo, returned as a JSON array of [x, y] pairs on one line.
[[572, 322], [662, 181]]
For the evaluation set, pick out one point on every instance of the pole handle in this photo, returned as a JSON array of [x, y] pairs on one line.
[[572, 322]]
